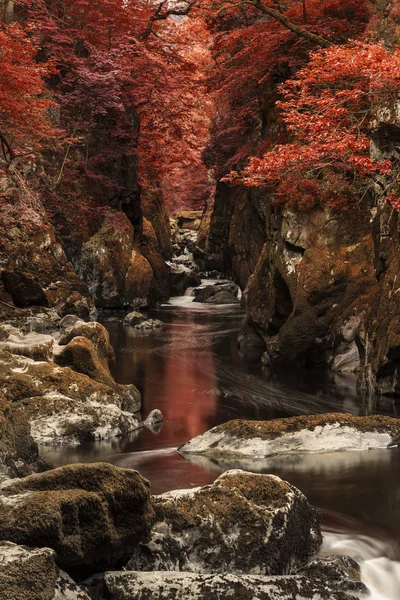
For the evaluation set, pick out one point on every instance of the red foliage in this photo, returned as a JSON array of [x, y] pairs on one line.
[[24, 109], [330, 109]]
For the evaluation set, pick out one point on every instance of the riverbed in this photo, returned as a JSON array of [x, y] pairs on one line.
[[193, 371]]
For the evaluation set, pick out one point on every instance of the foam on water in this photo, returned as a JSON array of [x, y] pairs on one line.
[[379, 570]]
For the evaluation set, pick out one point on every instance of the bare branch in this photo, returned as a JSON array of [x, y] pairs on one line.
[[312, 37], [162, 15]]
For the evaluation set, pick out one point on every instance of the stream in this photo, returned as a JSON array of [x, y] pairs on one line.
[[194, 373]]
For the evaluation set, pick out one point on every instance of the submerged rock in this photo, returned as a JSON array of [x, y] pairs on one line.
[[127, 585], [242, 523], [92, 514], [315, 433], [134, 318]]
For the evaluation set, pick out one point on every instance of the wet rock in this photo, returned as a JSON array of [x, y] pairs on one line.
[[223, 297], [127, 585], [57, 420], [24, 289], [339, 572], [182, 278], [242, 523], [202, 294], [92, 514], [316, 433], [153, 418], [148, 325], [134, 318]]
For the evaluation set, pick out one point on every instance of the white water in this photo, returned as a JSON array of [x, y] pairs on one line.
[[379, 571]]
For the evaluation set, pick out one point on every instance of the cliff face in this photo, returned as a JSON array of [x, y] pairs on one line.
[[233, 231], [322, 287], [81, 252]]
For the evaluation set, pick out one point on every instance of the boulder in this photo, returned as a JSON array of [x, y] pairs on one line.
[[64, 406], [128, 585], [242, 523], [57, 420], [32, 574], [315, 433], [134, 318], [154, 417], [81, 355], [24, 289], [91, 515], [189, 219], [149, 325], [209, 291], [223, 297], [181, 278], [97, 334]]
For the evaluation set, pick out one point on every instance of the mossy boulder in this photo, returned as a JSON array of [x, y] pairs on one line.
[[32, 574], [242, 523], [89, 514], [81, 356], [308, 433], [97, 334]]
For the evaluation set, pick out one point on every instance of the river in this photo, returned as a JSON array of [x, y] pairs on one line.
[[194, 373]]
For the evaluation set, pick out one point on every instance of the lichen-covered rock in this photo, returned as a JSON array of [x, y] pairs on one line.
[[92, 514], [148, 325], [315, 433], [129, 585], [32, 574], [58, 420], [64, 406], [80, 355], [97, 334], [242, 523], [154, 417]]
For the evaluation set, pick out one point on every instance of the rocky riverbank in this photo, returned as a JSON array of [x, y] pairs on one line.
[[246, 534]]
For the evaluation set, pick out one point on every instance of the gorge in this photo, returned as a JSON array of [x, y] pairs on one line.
[[199, 330]]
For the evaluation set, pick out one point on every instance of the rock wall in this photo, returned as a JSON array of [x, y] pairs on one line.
[[321, 287], [80, 254], [233, 231]]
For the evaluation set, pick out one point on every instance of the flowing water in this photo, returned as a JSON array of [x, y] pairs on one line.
[[194, 373]]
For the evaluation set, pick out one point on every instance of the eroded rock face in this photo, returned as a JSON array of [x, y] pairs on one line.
[[317, 433], [194, 586], [242, 523], [92, 514], [24, 289]]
